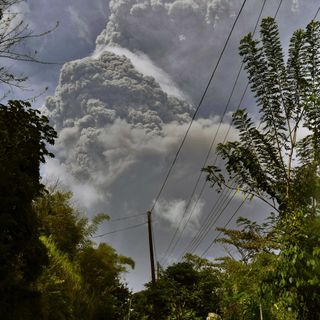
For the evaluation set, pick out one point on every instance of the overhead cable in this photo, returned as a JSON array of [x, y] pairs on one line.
[[200, 233], [241, 204], [172, 243], [126, 217], [120, 230], [198, 107], [215, 239]]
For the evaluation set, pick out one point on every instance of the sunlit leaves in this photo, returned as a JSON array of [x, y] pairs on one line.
[[268, 159]]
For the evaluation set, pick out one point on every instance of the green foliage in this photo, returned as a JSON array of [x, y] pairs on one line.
[[23, 134], [186, 290], [49, 266], [251, 239], [298, 266], [60, 284], [245, 280], [268, 162], [82, 279], [61, 221], [100, 268]]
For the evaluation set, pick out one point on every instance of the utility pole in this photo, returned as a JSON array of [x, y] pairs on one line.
[[153, 273]]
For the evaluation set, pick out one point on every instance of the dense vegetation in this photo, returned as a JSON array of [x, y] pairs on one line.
[[49, 266], [51, 269]]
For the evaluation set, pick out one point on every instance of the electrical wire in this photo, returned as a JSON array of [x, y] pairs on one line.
[[198, 107], [199, 234], [127, 217], [120, 230], [315, 16], [207, 157], [211, 220], [241, 204], [200, 175], [233, 215]]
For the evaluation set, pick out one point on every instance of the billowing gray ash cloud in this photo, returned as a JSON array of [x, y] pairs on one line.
[[114, 121], [108, 114], [110, 87], [125, 108], [179, 36], [185, 37]]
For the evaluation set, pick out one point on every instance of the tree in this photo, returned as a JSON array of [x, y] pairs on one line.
[[252, 238], [100, 268], [249, 270], [297, 278], [14, 31], [277, 274], [271, 162], [23, 134], [185, 290], [82, 279], [62, 222], [279, 163]]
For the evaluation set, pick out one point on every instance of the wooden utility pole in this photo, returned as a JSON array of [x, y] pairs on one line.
[[153, 272]]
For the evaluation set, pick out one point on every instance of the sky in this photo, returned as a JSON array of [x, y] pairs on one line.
[[124, 78]]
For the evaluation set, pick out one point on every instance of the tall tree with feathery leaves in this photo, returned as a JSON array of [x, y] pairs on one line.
[[269, 161], [278, 161]]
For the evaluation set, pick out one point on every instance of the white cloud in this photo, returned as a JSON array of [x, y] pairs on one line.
[[85, 195], [177, 214], [144, 65]]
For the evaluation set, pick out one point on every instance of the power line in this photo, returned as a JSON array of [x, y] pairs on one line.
[[198, 107], [208, 155], [172, 238], [214, 240], [198, 235], [241, 204], [200, 175], [201, 234], [127, 217], [315, 16], [120, 230], [212, 218]]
